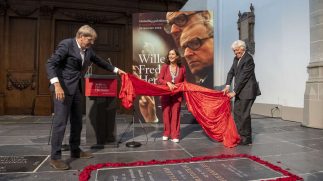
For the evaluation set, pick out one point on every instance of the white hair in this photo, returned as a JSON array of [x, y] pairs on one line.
[[238, 44]]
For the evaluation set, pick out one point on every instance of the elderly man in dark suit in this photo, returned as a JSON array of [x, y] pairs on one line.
[[65, 69], [245, 89]]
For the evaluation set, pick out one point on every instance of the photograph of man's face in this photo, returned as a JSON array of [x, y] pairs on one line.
[[177, 21], [197, 43], [192, 32]]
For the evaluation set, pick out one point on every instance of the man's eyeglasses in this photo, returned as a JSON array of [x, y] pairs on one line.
[[195, 43], [180, 21]]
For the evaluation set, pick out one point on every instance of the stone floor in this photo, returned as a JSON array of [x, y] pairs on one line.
[[283, 143]]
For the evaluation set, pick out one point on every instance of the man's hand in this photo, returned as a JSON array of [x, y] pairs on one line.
[[120, 72], [226, 89], [59, 92]]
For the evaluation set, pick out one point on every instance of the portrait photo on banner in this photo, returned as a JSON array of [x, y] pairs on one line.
[[154, 34]]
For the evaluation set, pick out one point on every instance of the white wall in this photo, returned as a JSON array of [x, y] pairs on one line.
[[195, 5], [282, 45]]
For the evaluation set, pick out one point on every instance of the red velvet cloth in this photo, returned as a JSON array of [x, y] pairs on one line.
[[210, 108]]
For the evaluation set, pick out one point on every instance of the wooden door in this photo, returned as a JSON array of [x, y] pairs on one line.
[[21, 65]]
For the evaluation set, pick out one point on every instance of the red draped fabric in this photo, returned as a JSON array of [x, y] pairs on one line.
[[210, 108]]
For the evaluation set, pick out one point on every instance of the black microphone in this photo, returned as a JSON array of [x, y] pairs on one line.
[[106, 60], [109, 61], [89, 70]]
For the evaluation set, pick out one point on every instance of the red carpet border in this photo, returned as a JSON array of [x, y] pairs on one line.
[[86, 173]]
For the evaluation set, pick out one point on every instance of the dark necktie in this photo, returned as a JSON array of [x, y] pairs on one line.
[[82, 52]]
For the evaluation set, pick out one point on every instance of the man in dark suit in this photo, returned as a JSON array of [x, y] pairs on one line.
[[65, 69], [245, 89]]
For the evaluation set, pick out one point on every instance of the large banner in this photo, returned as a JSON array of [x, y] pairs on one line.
[[154, 34]]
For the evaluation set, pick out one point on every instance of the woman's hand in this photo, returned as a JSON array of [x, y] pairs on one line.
[[171, 86]]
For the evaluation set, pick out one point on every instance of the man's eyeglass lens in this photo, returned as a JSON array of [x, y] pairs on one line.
[[195, 43], [179, 21]]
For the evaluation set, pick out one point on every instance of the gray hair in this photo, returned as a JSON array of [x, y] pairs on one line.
[[86, 31], [238, 44]]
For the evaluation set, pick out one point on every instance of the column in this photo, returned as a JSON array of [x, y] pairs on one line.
[[313, 98]]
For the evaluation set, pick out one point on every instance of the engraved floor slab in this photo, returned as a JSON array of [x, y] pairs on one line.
[[228, 169], [20, 163]]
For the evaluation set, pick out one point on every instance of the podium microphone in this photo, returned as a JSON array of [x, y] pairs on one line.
[[106, 60], [89, 70], [109, 61]]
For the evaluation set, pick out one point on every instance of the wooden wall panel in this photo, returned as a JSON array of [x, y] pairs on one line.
[[44, 53], [110, 44], [2, 64], [22, 46], [43, 103], [65, 29]]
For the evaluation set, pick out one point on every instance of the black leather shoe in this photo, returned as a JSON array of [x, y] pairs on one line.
[[245, 141], [82, 154], [249, 143]]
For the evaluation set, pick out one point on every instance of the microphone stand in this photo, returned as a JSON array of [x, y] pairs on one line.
[[133, 143]]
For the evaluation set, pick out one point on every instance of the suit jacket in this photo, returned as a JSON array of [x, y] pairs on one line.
[[66, 65], [165, 76], [208, 82], [245, 82]]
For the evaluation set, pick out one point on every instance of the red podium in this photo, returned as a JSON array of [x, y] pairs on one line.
[[101, 93], [101, 86]]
